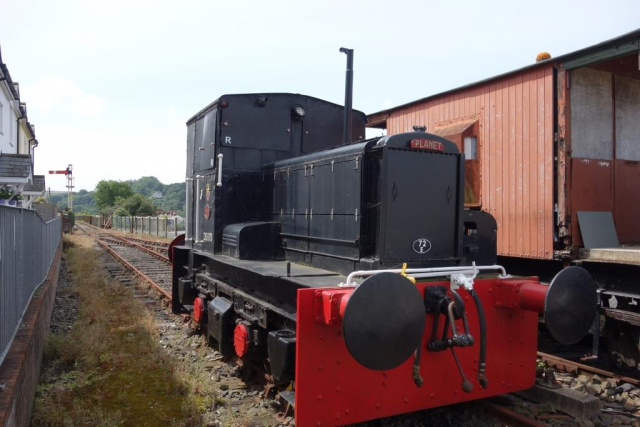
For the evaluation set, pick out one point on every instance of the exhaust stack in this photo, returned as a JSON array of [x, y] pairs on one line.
[[348, 96]]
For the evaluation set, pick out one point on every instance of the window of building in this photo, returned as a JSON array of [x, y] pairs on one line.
[[1, 119]]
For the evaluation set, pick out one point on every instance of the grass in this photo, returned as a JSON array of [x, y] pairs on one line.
[[109, 370]]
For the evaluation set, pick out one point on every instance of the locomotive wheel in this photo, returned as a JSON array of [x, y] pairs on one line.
[[384, 321]]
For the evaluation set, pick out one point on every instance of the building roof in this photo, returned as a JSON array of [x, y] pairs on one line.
[[36, 186], [633, 36], [15, 165], [7, 76]]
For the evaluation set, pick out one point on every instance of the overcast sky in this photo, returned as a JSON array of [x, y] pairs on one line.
[[109, 85]]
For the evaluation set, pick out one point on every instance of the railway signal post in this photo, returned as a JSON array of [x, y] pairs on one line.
[[69, 173]]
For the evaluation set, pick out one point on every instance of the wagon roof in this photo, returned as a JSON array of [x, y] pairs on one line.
[[632, 36]]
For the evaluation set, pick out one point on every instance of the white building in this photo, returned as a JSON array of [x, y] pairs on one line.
[[17, 144]]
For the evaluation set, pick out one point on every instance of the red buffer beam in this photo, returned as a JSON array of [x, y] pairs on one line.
[[346, 370]]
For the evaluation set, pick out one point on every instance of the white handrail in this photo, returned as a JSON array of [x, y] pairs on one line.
[[420, 273], [219, 184]]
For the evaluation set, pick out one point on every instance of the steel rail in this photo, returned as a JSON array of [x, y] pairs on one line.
[[574, 367], [148, 242], [145, 249], [130, 266], [510, 417], [134, 242], [137, 239]]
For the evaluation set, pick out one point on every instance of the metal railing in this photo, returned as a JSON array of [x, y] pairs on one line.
[[27, 248], [149, 225], [47, 211], [153, 226]]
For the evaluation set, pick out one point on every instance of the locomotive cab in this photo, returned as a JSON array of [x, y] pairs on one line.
[[229, 142]]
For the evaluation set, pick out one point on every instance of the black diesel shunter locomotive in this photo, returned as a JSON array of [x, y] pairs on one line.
[[280, 202], [274, 205]]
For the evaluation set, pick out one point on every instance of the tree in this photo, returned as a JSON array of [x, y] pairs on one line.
[[136, 204], [146, 185], [107, 193]]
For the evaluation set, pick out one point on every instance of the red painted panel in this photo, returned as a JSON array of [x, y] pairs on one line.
[[590, 190], [333, 389], [627, 203]]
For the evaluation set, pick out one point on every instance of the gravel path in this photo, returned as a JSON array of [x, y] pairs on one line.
[[65, 309]]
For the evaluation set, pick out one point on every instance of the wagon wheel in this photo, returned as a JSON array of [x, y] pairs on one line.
[[622, 342]]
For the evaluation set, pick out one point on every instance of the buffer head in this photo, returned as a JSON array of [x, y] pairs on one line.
[[571, 305], [384, 321]]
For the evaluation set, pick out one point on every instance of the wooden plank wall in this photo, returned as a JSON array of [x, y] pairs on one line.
[[515, 146]]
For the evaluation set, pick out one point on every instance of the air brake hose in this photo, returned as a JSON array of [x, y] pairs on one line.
[[482, 379], [417, 378]]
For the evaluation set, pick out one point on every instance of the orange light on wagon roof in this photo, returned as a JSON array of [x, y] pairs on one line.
[[543, 56]]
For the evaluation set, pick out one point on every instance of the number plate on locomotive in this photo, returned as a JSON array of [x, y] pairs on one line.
[[421, 246]]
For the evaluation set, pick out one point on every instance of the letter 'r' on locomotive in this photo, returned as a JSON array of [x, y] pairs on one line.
[[350, 266]]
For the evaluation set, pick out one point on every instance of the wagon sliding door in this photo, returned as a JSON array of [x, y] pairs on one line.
[[605, 144], [591, 144], [627, 158]]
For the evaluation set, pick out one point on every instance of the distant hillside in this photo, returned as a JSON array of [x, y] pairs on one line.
[[173, 196], [82, 202]]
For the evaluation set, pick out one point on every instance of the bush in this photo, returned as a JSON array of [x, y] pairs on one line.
[[72, 218]]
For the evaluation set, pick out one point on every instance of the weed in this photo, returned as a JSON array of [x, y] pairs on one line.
[[108, 370], [67, 243]]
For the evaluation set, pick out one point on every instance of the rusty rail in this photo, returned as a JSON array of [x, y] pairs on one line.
[[132, 241], [145, 249], [574, 367], [508, 417], [130, 266], [148, 242]]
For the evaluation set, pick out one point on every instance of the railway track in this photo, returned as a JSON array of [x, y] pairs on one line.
[[156, 246], [145, 259], [564, 365], [151, 266]]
